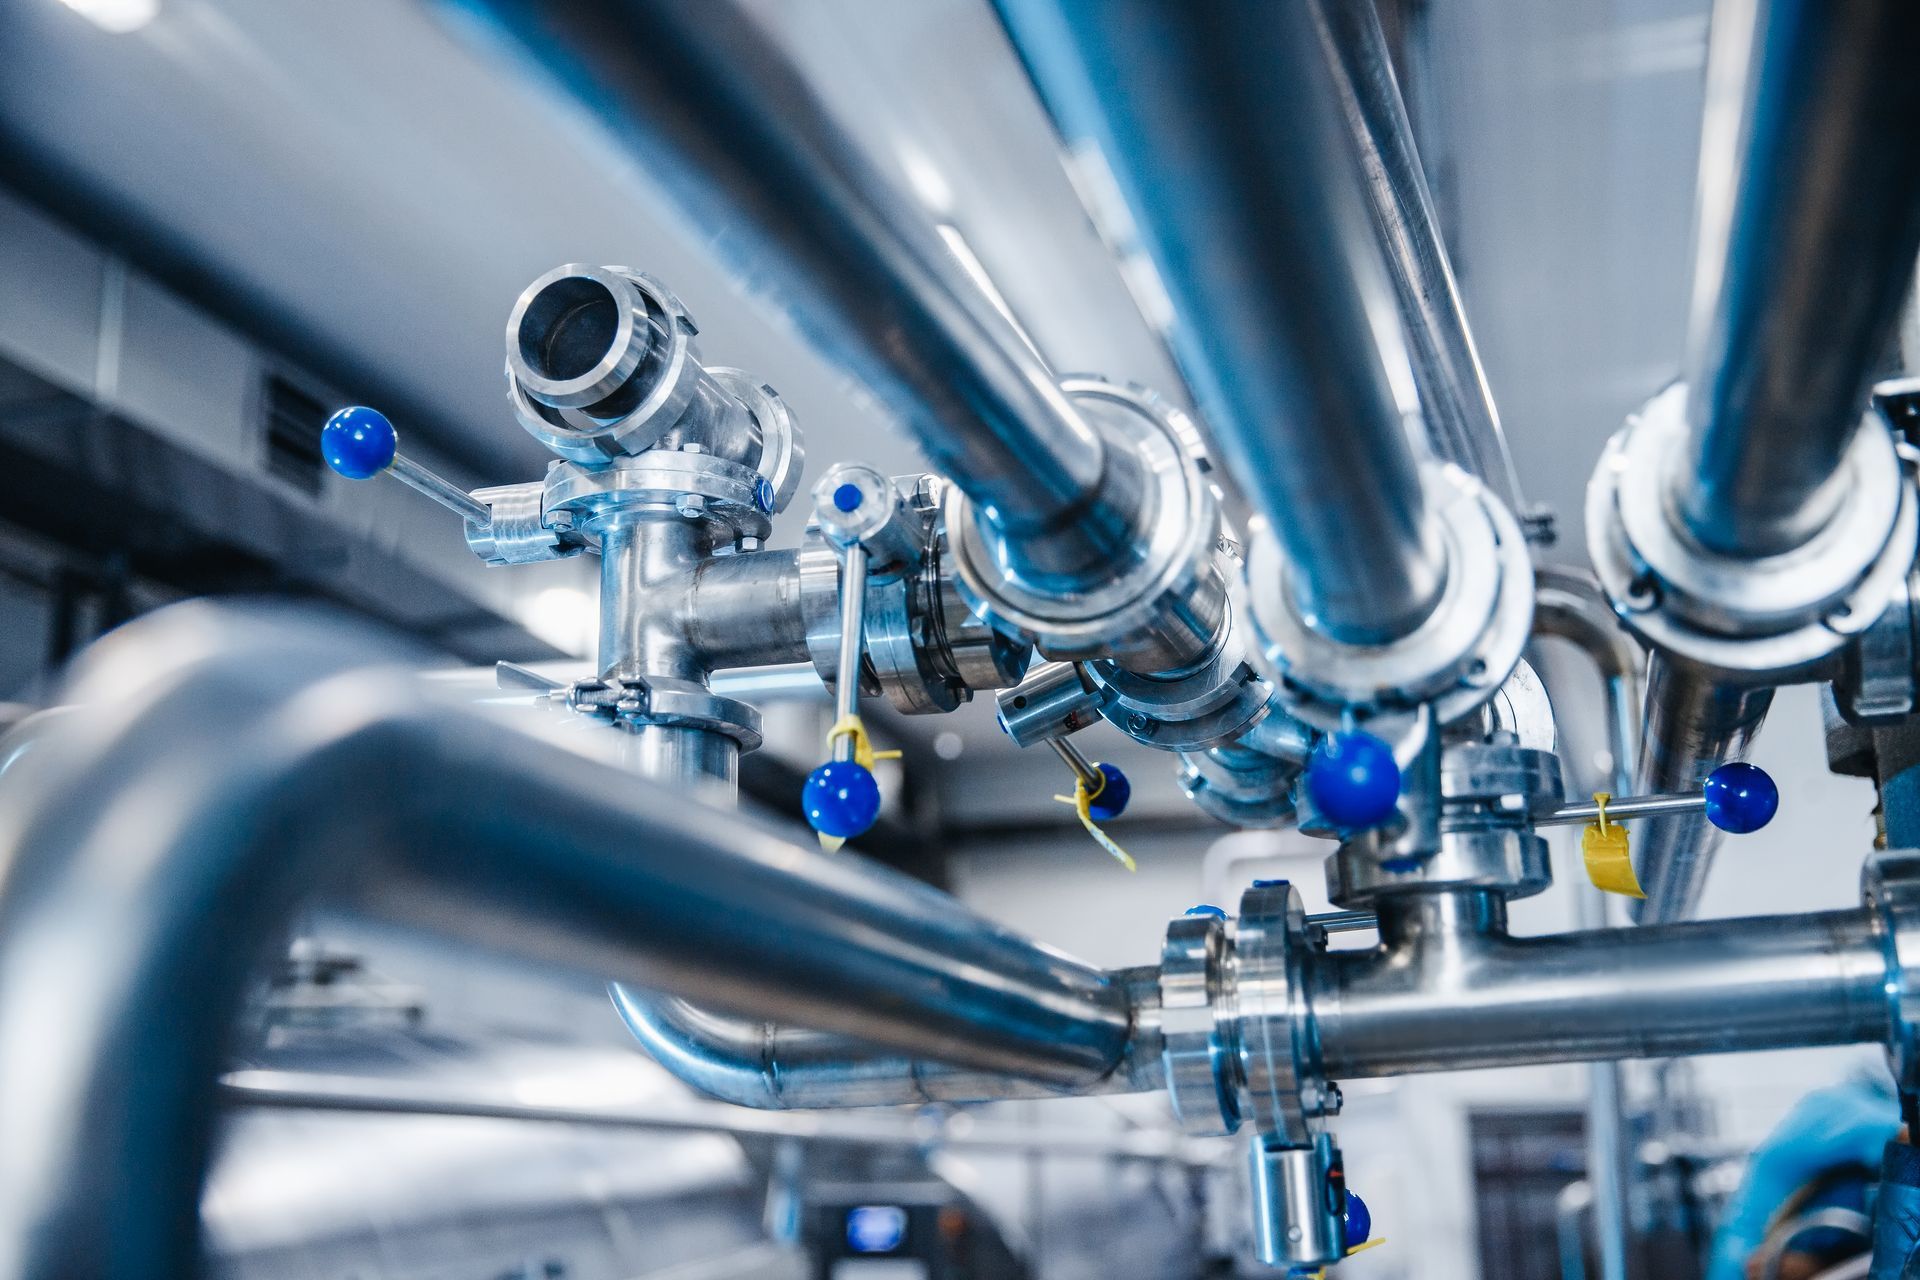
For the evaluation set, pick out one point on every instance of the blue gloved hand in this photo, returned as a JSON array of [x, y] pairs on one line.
[[1843, 1124]]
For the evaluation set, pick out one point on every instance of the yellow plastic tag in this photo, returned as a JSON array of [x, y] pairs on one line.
[[1082, 802], [1608, 854]]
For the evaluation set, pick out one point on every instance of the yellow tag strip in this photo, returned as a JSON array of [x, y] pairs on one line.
[[863, 755], [1082, 802], [1608, 854], [1362, 1247]]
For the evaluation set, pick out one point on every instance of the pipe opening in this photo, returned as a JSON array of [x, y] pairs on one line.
[[569, 328]]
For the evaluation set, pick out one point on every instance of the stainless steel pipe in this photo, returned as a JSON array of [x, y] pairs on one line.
[[1223, 126], [1808, 228], [773, 1067], [230, 763], [1449, 990], [723, 123], [1462, 422], [1694, 723]]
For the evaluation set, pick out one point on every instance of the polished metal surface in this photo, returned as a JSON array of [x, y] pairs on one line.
[[1694, 723], [1437, 996], [1808, 227], [246, 757], [1223, 126], [1296, 1221], [1570, 605], [1456, 404], [724, 125], [768, 1066]]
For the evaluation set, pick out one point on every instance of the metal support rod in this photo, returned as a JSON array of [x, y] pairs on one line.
[[853, 622], [1437, 996], [440, 489], [1622, 810], [1223, 128], [1694, 723], [232, 762], [1083, 768], [1455, 400], [725, 126], [1808, 227]]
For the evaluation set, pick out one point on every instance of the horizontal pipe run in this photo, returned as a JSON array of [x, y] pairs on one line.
[[745, 611], [234, 762], [772, 1067], [1445, 998], [1808, 229], [724, 125], [1694, 723], [318, 1091], [1223, 128]]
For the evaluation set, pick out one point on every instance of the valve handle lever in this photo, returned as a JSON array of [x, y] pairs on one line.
[[841, 798], [360, 443], [1737, 797]]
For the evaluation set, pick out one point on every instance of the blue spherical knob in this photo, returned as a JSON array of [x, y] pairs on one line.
[[847, 497], [1353, 780], [1359, 1222], [841, 799], [1741, 797], [1113, 797], [359, 442]]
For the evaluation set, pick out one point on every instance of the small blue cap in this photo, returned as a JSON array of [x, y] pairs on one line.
[[841, 799], [1741, 797], [847, 497], [1207, 909], [359, 442], [1269, 884], [763, 495], [1113, 797], [1359, 1222], [1353, 779]]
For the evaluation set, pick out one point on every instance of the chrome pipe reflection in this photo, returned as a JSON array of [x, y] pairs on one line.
[[723, 123], [1222, 125], [232, 762], [1808, 228], [1455, 401]]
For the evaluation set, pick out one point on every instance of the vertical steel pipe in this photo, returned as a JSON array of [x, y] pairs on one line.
[[722, 122], [1455, 400], [1695, 722], [1808, 228], [1222, 124]]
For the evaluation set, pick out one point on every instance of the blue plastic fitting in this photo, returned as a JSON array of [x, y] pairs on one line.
[[1741, 797], [1113, 797], [1207, 909], [763, 495], [847, 497], [841, 799], [1353, 780], [359, 442], [1359, 1221]]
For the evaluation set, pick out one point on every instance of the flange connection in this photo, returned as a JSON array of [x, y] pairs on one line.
[[1771, 618], [1164, 610], [1454, 660], [1890, 886]]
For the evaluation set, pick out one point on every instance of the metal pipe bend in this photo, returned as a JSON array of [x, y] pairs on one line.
[[230, 762]]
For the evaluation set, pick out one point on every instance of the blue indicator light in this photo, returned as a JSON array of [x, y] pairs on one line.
[[876, 1228]]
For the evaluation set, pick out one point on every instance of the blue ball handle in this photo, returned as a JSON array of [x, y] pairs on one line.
[[1741, 797], [1111, 802], [359, 443], [1353, 780], [841, 799], [1359, 1221]]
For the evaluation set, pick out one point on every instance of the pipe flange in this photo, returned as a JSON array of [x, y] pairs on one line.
[[1194, 1022], [665, 700], [1507, 860], [1283, 1087], [1239, 786], [1497, 782], [1171, 600], [1890, 887], [694, 484], [783, 451], [1769, 618], [1207, 706], [518, 532], [600, 361], [1464, 650]]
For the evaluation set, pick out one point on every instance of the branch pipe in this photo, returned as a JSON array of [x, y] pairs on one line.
[[231, 763], [1223, 127], [1808, 228], [724, 125]]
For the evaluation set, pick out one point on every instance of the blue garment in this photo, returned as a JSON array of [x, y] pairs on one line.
[[1843, 1124]]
